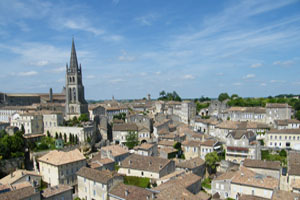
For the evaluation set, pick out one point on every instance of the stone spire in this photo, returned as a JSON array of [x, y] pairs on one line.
[[73, 59]]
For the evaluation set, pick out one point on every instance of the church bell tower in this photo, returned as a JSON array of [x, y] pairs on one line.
[[75, 101]]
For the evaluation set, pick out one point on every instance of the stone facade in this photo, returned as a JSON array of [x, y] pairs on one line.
[[283, 139], [33, 123], [75, 101]]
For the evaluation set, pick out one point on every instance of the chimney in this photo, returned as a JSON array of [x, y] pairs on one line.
[[126, 192], [50, 95]]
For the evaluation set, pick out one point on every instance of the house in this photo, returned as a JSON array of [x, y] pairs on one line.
[[248, 182], [194, 165], [21, 192], [287, 124], [186, 186], [268, 168], [277, 111], [95, 184], [99, 163], [52, 119], [32, 122], [116, 153], [60, 167], [120, 131], [191, 149], [130, 192], [209, 146], [221, 185], [167, 152], [293, 171], [146, 166], [63, 192], [20, 176], [144, 134], [204, 125], [240, 145], [283, 139], [286, 195], [253, 114], [95, 110], [146, 149]]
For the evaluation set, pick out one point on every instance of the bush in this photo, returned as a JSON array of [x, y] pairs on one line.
[[137, 181], [206, 183]]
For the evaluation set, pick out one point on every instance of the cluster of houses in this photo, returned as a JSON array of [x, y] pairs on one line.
[[173, 144]]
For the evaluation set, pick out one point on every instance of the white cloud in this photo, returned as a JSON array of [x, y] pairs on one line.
[[237, 84], [29, 73], [277, 81], [188, 77], [147, 20], [126, 57], [41, 63], [249, 76], [90, 76], [256, 65], [117, 80], [83, 25], [284, 63], [263, 84]]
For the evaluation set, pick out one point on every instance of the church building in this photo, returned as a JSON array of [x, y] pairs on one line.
[[75, 101]]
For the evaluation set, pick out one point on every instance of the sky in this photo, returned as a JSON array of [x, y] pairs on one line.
[[131, 48]]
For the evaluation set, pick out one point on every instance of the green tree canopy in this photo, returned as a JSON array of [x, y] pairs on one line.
[[170, 96], [132, 140], [211, 159], [83, 117], [223, 96]]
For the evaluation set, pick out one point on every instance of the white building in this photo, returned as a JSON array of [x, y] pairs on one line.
[[95, 184], [283, 139], [59, 167], [33, 123]]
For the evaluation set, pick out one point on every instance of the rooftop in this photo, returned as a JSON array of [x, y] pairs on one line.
[[52, 191], [146, 163], [16, 175], [273, 165], [191, 164], [116, 150], [130, 192], [60, 157], [102, 176]]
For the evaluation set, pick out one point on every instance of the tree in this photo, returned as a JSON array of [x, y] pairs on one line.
[[223, 96], [65, 138], [282, 153], [83, 117], [48, 134], [56, 135], [162, 93], [22, 129], [297, 115], [76, 139], [60, 135], [234, 96], [71, 138], [132, 140], [211, 159]]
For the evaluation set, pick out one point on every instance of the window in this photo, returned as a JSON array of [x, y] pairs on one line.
[[280, 137], [128, 171], [142, 173], [270, 143], [222, 187], [94, 192], [84, 179], [94, 182], [217, 185], [85, 189]]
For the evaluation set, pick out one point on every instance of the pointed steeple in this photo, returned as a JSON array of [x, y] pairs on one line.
[[73, 59]]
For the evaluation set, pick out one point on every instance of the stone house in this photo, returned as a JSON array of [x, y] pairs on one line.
[[222, 184], [287, 124], [130, 192], [287, 195], [21, 192], [52, 119], [240, 145], [191, 149], [146, 149], [59, 167], [63, 192], [250, 183], [268, 168], [141, 120], [204, 125], [283, 139], [32, 122], [146, 166], [116, 153], [20, 176], [293, 171], [120, 131], [194, 165], [99, 163], [96, 110], [95, 184], [209, 146], [253, 114], [277, 111]]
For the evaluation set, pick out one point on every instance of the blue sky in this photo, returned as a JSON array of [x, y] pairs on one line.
[[129, 48]]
